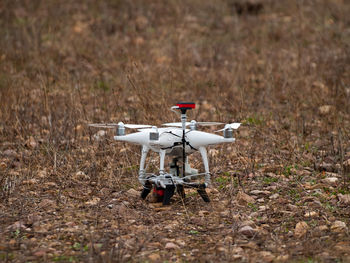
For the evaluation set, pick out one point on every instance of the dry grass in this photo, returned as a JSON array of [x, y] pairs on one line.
[[280, 67]]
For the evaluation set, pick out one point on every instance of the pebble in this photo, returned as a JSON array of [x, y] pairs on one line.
[[266, 256], [171, 245], [259, 192], [311, 214], [243, 199], [344, 199], [274, 196], [321, 228], [154, 257], [338, 227], [101, 133], [301, 229], [330, 180], [133, 193], [247, 231]]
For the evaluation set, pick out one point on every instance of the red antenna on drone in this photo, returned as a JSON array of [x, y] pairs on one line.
[[183, 107]]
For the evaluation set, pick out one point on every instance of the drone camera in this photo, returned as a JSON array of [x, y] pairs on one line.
[[154, 136]]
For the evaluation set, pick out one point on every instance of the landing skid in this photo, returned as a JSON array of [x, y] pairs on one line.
[[169, 183]]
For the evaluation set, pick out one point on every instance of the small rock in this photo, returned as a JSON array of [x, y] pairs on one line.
[[274, 196], [154, 257], [259, 192], [271, 187], [203, 213], [93, 201], [171, 245], [79, 128], [42, 173], [51, 184], [311, 214], [301, 229], [10, 154], [254, 215], [16, 225], [181, 242], [243, 199], [225, 213], [330, 174], [30, 181], [292, 207], [282, 258], [40, 253], [342, 247], [133, 193], [236, 253], [330, 180], [321, 228], [31, 142], [266, 256], [23, 246], [237, 250], [3, 165], [338, 227], [222, 249], [248, 231], [100, 134], [248, 223], [12, 243], [325, 109], [344, 199], [263, 208], [81, 176]]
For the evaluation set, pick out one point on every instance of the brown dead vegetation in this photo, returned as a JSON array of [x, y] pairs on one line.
[[281, 193]]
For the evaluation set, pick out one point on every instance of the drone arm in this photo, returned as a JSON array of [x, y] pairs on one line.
[[142, 171], [203, 152]]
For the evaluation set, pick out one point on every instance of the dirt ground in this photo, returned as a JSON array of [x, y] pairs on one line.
[[280, 193]]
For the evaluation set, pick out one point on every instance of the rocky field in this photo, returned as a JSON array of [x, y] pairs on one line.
[[280, 193]]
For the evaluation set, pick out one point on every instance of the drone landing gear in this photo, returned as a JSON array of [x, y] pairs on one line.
[[168, 193], [201, 191], [146, 190], [164, 195], [171, 182]]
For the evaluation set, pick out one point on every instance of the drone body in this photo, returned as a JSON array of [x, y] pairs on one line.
[[177, 142]]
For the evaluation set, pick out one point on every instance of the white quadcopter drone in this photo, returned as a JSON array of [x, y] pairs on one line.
[[178, 142]]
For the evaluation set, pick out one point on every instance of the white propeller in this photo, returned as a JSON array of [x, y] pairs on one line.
[[201, 123], [114, 125], [234, 126], [104, 125]]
